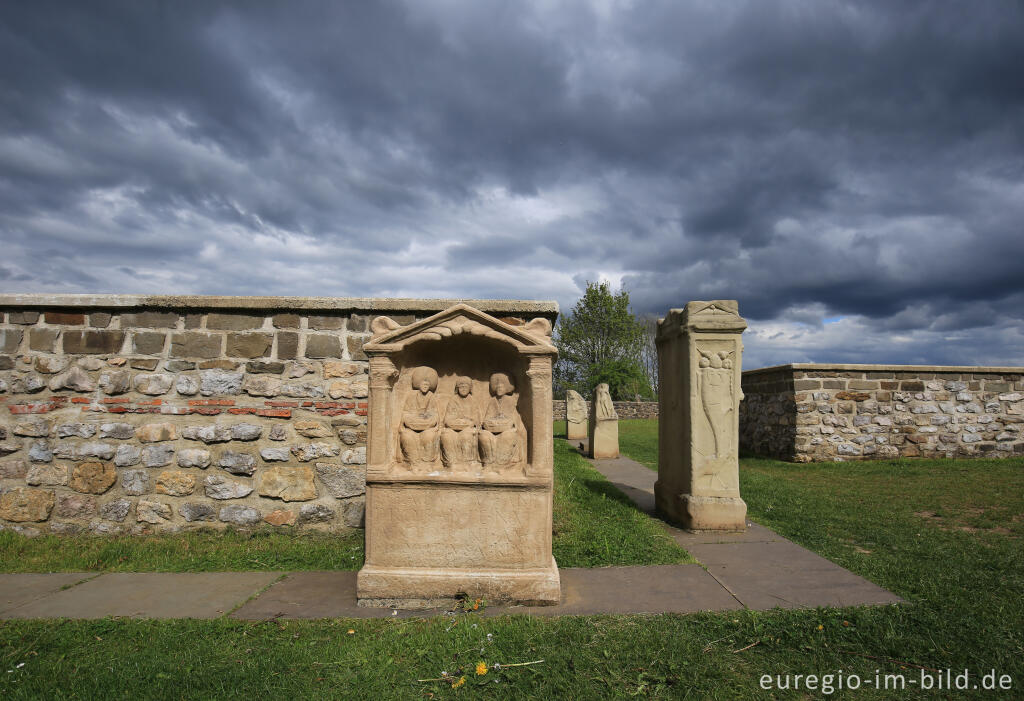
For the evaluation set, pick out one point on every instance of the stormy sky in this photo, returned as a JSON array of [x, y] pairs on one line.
[[851, 172]]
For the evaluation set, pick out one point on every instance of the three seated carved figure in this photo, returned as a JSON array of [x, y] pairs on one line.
[[464, 441], [500, 442], [418, 435], [461, 421]]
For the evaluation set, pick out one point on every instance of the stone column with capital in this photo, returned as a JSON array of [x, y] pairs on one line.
[[699, 363]]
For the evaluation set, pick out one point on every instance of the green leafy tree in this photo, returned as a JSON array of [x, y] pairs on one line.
[[601, 341]]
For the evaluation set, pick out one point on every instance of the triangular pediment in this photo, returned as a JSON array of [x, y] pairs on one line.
[[457, 320]]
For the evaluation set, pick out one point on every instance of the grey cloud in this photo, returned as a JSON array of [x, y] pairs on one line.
[[815, 160]]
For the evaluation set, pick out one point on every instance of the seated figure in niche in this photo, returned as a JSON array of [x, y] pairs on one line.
[[499, 436], [418, 435], [461, 421]]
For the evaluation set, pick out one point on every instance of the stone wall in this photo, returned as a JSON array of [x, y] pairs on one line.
[[129, 414], [625, 410], [810, 412]]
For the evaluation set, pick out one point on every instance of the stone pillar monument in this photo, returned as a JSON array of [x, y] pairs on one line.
[[604, 425], [575, 415], [459, 462], [699, 352]]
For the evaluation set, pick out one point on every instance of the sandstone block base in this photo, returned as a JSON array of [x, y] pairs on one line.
[[605, 443], [418, 588], [576, 430], [699, 514]]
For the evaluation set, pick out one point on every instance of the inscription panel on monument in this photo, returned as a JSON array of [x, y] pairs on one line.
[[483, 528]]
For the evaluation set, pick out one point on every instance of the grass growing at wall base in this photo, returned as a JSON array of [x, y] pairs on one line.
[[594, 526]]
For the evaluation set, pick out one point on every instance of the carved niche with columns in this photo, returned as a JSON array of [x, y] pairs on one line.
[[459, 461]]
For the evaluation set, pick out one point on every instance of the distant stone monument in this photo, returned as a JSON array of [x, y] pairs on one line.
[[459, 462], [699, 352], [604, 425], [575, 415]]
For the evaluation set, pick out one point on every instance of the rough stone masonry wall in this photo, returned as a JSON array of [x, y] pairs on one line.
[[810, 412], [144, 414], [625, 410]]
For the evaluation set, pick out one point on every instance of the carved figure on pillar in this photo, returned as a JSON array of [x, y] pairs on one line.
[[500, 444], [575, 415], [604, 424], [715, 379], [419, 435], [461, 421]]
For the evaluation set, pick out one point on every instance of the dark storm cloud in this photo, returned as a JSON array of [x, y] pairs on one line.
[[853, 173]]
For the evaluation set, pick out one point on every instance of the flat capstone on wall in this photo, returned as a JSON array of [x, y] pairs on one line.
[[813, 412], [135, 414]]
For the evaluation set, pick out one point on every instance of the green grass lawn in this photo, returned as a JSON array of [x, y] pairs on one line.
[[944, 535]]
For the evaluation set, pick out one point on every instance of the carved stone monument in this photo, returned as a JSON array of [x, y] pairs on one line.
[[604, 425], [699, 351], [575, 415], [459, 462]]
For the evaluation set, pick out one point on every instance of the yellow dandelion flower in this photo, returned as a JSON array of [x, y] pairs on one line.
[[351, 631], [461, 682], [481, 668], [821, 627]]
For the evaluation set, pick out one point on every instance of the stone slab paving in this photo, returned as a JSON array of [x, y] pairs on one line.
[[759, 567], [142, 595], [20, 589], [660, 589]]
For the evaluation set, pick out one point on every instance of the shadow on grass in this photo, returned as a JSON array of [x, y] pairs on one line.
[[608, 490]]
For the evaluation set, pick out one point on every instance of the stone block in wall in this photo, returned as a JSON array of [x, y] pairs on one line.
[[220, 382], [149, 342], [221, 488], [286, 321], [100, 320], [51, 364], [360, 323], [23, 318], [325, 323], [196, 344], [75, 506], [323, 346], [233, 322], [342, 481], [288, 483], [144, 363], [147, 511], [249, 345], [154, 385], [264, 367], [93, 341], [287, 345], [197, 511], [25, 504], [355, 347], [92, 477], [175, 483], [150, 320], [65, 318], [42, 340], [10, 339], [47, 474], [136, 482], [240, 515]]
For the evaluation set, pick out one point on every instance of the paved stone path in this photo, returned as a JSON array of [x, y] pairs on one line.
[[757, 569], [760, 568]]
